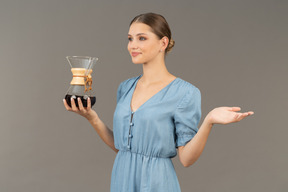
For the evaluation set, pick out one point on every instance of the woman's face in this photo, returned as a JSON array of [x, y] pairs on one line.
[[144, 46]]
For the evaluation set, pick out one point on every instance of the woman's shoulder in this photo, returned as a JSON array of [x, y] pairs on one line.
[[187, 93], [185, 86], [128, 83], [125, 86]]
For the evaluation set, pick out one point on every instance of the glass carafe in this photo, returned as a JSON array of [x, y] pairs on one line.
[[81, 84]]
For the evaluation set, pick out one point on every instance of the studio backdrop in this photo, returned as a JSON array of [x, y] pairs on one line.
[[235, 52]]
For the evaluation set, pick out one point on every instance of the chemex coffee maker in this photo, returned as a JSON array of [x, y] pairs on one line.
[[81, 84]]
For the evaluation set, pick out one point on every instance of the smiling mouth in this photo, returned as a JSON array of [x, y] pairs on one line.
[[134, 54]]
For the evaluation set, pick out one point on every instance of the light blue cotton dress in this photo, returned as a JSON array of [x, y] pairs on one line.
[[148, 137]]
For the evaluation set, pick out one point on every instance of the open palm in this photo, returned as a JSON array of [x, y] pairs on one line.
[[225, 115]]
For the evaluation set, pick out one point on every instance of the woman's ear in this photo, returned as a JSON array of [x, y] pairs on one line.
[[164, 43]]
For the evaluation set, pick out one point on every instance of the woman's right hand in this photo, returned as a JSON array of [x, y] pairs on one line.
[[86, 112]]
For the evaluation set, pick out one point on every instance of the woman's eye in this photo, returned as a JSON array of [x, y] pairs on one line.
[[142, 38], [129, 39]]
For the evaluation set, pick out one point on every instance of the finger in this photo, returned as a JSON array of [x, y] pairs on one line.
[[249, 113], [73, 105], [66, 105], [88, 104], [243, 115], [235, 108], [225, 107], [80, 105], [239, 116]]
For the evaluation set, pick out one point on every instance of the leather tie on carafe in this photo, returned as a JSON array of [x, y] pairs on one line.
[[89, 82]]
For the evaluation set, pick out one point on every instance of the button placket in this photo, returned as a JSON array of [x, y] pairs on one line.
[[130, 131]]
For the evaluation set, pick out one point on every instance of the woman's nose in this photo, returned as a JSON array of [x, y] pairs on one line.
[[133, 44]]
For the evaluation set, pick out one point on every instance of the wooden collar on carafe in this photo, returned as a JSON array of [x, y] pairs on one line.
[[80, 79]]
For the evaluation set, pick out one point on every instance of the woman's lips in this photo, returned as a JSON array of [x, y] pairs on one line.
[[134, 54]]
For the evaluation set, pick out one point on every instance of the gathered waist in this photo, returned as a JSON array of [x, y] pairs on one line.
[[142, 154]]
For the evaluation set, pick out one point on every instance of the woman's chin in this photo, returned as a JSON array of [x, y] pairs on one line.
[[136, 61]]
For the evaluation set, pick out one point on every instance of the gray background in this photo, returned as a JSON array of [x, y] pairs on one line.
[[235, 52]]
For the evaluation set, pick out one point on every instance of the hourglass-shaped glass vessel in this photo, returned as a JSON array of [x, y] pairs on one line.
[[81, 84]]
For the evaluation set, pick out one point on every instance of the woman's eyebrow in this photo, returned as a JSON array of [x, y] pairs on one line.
[[138, 34]]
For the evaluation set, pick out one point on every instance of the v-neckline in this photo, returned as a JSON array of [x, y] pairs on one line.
[[133, 90]]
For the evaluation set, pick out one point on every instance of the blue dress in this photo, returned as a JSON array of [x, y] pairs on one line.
[[148, 137]]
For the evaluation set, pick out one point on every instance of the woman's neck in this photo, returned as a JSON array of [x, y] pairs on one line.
[[154, 72]]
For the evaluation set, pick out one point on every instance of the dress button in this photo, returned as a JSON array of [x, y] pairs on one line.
[[130, 136], [131, 124], [128, 146], [132, 112]]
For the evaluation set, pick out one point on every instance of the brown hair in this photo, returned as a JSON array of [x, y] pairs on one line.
[[158, 25]]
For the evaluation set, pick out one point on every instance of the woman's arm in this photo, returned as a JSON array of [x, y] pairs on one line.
[[103, 131], [189, 153]]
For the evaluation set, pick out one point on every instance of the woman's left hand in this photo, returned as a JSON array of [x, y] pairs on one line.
[[225, 115]]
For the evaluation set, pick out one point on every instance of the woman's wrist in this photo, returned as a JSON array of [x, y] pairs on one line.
[[208, 120], [93, 119]]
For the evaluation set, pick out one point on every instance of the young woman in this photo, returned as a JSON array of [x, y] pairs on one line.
[[157, 114]]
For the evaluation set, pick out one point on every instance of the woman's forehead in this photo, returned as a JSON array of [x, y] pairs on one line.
[[139, 28]]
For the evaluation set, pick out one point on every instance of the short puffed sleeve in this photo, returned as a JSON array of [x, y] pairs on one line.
[[124, 87], [187, 116], [119, 91]]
